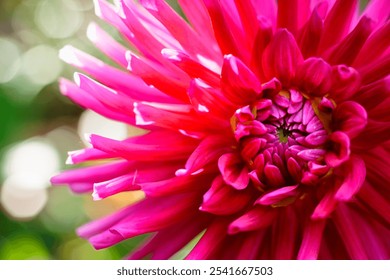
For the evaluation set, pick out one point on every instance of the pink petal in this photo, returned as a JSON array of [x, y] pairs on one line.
[[349, 233], [355, 174], [284, 233], [256, 218], [350, 118], [317, 138], [152, 216], [92, 174], [311, 154], [347, 50], [208, 244], [81, 97], [110, 98], [197, 15], [251, 147], [307, 113], [114, 186], [209, 99], [152, 113], [311, 241], [222, 199], [112, 77], [237, 77], [248, 17], [235, 27], [174, 147], [376, 45], [294, 169], [79, 156], [328, 202], [281, 57], [292, 14], [175, 185], [107, 12], [262, 39], [375, 201], [378, 10], [193, 68], [278, 196], [233, 171], [318, 169], [314, 76], [251, 245], [140, 32], [178, 27], [374, 98], [273, 176], [160, 78], [340, 149], [107, 44], [337, 23], [375, 70], [345, 82], [310, 35], [266, 9], [161, 246], [315, 124], [222, 33]]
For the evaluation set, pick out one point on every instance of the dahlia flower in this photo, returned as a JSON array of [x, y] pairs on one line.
[[268, 128]]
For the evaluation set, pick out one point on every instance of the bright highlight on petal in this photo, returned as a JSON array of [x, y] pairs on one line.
[[265, 128]]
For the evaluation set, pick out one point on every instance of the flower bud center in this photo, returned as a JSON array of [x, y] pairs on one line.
[[283, 139]]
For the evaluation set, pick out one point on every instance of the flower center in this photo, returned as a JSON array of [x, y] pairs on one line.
[[282, 140], [283, 134]]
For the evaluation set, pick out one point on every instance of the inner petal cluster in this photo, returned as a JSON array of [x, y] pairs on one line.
[[283, 139]]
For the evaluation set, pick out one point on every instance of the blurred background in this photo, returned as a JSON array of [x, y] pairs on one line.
[[38, 126]]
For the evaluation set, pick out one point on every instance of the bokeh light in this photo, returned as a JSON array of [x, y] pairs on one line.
[[93, 123], [57, 20], [24, 247], [41, 65], [36, 157], [9, 59], [22, 197]]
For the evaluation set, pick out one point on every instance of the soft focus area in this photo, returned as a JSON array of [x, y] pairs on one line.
[[39, 126]]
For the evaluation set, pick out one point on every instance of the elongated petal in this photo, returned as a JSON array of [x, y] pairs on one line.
[[337, 22], [345, 82], [141, 152], [355, 173], [209, 242], [222, 199], [310, 35], [179, 28], [239, 84], [91, 174], [349, 233], [161, 246], [256, 218], [347, 50], [311, 240], [281, 57], [233, 171], [278, 196], [314, 76], [340, 149], [350, 118]]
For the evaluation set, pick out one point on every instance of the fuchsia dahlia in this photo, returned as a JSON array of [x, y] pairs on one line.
[[268, 128]]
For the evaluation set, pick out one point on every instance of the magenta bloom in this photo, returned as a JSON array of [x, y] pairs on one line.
[[269, 128]]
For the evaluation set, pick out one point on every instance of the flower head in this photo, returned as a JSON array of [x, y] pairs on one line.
[[268, 128]]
